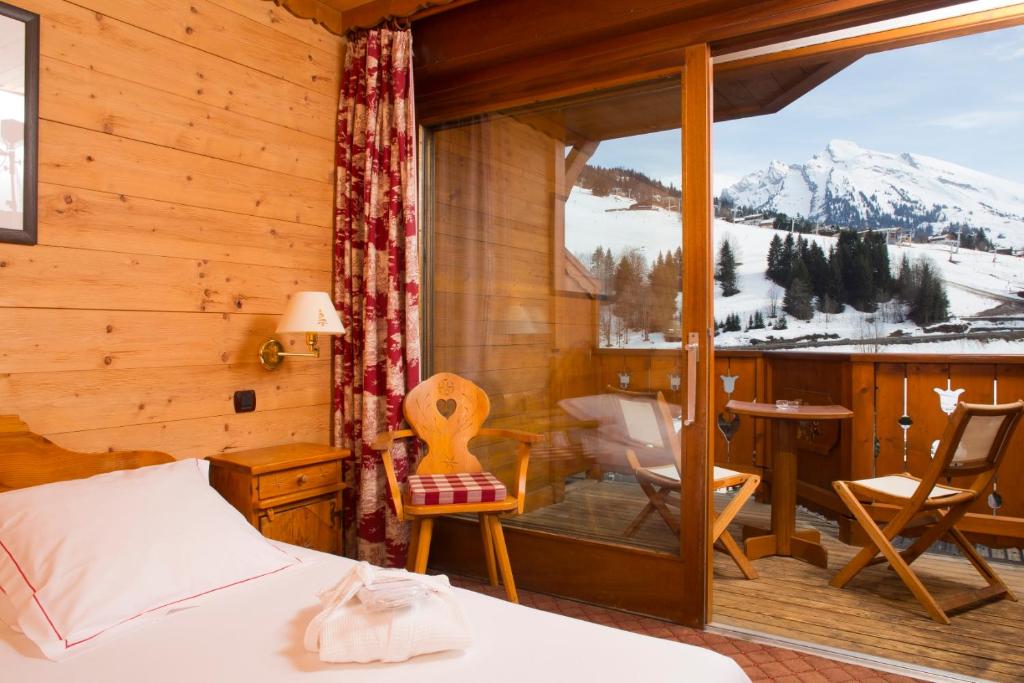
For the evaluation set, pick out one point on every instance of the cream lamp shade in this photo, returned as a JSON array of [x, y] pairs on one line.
[[310, 312]]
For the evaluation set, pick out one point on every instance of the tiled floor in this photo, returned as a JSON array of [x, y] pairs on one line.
[[761, 662]]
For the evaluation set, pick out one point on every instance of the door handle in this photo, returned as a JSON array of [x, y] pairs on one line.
[[692, 349]]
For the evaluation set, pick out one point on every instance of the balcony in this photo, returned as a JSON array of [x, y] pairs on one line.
[[580, 490]]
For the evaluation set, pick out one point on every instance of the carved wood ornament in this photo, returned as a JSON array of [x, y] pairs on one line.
[[331, 16]]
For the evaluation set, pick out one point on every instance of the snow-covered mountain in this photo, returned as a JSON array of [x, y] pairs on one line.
[[856, 187]]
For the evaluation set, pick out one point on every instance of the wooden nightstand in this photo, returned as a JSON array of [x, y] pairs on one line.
[[291, 493]]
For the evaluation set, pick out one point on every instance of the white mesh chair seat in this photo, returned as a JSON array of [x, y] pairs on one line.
[[669, 472], [664, 472], [902, 487]]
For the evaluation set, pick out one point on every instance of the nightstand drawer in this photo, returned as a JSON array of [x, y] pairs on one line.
[[299, 479]]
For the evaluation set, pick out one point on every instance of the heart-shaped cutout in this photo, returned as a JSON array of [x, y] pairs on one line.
[[446, 407], [728, 426]]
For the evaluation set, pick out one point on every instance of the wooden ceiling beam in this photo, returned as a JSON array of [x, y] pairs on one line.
[[810, 26], [473, 80], [790, 94], [373, 12], [881, 41], [577, 159], [317, 11], [340, 16]]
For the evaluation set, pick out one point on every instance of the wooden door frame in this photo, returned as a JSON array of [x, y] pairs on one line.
[[697, 317]]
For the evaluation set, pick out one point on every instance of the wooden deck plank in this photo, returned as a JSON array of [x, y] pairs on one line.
[[875, 615]]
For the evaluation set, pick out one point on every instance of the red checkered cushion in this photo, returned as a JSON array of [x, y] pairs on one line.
[[444, 489]]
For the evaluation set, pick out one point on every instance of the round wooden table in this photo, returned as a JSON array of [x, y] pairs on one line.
[[784, 538]]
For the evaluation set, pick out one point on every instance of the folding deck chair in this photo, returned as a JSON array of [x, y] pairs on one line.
[[974, 443], [648, 423]]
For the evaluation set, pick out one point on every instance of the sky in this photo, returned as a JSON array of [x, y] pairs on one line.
[[959, 100]]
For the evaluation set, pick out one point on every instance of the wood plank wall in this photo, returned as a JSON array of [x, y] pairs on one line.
[[186, 170]]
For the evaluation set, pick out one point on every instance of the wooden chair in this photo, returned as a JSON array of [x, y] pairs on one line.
[[974, 443], [446, 412], [650, 422]]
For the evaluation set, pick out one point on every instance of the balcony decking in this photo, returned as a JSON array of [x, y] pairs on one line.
[[875, 615]]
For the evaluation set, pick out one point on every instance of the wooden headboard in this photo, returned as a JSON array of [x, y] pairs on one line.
[[27, 459]]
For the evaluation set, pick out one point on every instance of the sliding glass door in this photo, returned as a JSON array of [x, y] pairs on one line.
[[566, 262]]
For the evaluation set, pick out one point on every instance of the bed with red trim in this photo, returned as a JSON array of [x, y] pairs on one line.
[[253, 632]]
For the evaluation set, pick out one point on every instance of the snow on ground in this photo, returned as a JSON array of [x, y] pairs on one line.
[[975, 280]]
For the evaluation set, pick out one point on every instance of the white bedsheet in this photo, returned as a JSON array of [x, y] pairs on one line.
[[253, 633]]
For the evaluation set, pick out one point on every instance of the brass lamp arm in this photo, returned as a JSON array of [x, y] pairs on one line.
[[272, 353]]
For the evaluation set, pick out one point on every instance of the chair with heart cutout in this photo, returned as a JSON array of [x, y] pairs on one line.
[[445, 412]]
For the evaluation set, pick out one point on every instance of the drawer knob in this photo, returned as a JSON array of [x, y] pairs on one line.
[[303, 479]]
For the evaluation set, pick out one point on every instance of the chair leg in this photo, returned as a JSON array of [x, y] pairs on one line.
[[485, 532], [658, 498], [638, 522], [502, 553], [410, 555], [863, 558], [724, 519], [980, 564], [423, 545], [897, 562], [738, 556], [931, 534]]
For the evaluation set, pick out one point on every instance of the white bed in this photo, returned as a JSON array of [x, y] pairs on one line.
[[253, 633]]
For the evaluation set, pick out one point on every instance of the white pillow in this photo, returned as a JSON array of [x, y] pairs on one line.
[[80, 558]]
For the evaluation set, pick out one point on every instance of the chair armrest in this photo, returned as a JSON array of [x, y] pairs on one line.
[[393, 488], [383, 442], [525, 439], [515, 434]]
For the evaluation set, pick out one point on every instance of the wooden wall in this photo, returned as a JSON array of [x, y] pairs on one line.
[[185, 189]]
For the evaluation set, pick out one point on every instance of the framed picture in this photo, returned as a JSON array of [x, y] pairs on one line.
[[19, 123]]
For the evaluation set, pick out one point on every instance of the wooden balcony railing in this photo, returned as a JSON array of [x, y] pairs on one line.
[[898, 414]]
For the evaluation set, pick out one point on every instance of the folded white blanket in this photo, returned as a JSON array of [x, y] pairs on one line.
[[425, 618]]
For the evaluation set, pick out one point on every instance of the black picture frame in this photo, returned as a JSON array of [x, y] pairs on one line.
[[30, 192]]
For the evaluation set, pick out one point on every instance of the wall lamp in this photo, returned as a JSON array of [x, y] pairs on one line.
[[309, 312]]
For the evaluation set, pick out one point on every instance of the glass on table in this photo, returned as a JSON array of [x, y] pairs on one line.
[[788, 404]]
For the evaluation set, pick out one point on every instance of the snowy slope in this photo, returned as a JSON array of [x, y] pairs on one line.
[[849, 185], [601, 221]]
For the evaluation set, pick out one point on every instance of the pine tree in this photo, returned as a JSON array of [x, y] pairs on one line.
[[664, 285], [732, 323], [797, 301], [817, 269], [774, 258], [878, 255], [905, 280], [930, 304], [629, 284], [780, 324], [725, 272], [835, 293], [786, 261], [856, 270]]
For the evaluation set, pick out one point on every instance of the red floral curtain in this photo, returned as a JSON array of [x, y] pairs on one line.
[[376, 274]]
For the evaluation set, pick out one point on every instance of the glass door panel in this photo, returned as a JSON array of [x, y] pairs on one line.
[[555, 269], [557, 265]]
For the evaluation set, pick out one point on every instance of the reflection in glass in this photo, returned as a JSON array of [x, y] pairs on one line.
[[555, 264]]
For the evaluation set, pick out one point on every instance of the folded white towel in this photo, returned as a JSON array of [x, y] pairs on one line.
[[426, 617]]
